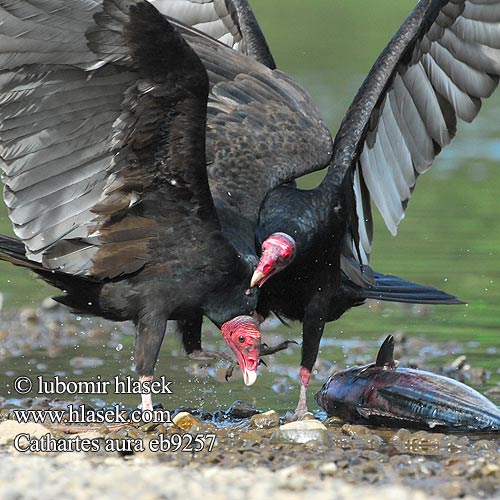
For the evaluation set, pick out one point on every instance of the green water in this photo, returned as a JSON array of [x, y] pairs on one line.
[[450, 238]]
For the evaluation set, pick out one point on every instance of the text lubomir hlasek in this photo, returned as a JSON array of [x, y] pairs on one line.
[[125, 385]]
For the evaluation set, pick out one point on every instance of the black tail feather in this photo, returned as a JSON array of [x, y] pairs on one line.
[[80, 292], [394, 289]]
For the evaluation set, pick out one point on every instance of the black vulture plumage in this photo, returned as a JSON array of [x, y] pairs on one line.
[[103, 112]]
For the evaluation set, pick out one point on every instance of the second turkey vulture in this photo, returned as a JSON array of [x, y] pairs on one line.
[[437, 67], [103, 121]]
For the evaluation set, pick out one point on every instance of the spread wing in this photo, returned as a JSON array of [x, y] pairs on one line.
[[262, 127], [102, 134], [232, 22], [64, 108], [443, 60]]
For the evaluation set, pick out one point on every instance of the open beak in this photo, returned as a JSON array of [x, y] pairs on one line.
[[247, 352], [249, 375], [248, 359]]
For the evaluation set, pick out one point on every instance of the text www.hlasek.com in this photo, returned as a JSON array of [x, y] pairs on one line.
[[82, 414]]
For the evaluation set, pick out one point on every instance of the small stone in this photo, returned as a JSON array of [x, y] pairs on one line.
[[400, 439], [147, 427], [265, 420], [40, 401], [9, 429], [491, 470], [333, 422], [241, 409], [49, 303], [494, 392], [308, 416], [28, 316], [484, 444], [451, 489], [89, 435], [301, 432], [186, 421], [328, 469], [354, 430]]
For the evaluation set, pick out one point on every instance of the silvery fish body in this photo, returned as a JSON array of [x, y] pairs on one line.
[[386, 395]]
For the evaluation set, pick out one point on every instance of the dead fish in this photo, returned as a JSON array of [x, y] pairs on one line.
[[387, 395]]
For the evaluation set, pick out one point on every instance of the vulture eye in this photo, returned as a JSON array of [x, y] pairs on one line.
[[241, 339]]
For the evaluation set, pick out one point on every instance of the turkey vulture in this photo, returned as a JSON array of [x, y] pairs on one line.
[[103, 122], [233, 23], [437, 67]]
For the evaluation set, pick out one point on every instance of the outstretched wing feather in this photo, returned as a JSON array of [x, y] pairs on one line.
[[443, 60]]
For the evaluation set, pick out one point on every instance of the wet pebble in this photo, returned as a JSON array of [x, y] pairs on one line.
[[40, 403], [308, 416], [49, 304], [301, 432], [451, 489], [265, 420], [354, 430], [494, 392], [333, 422], [148, 427], [241, 409], [328, 469], [187, 422], [9, 429]]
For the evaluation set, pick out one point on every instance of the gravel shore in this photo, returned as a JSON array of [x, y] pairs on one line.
[[254, 456], [77, 476]]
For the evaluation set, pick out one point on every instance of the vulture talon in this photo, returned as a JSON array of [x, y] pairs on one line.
[[204, 355], [266, 350], [229, 372]]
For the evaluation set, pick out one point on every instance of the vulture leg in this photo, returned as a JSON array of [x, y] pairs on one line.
[[190, 330], [314, 325], [148, 339], [267, 350]]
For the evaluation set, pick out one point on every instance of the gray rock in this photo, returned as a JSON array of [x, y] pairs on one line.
[[241, 409], [186, 421], [301, 432], [265, 420], [10, 429]]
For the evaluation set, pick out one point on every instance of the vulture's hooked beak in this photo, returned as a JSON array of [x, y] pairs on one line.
[[278, 251], [243, 336], [258, 278]]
